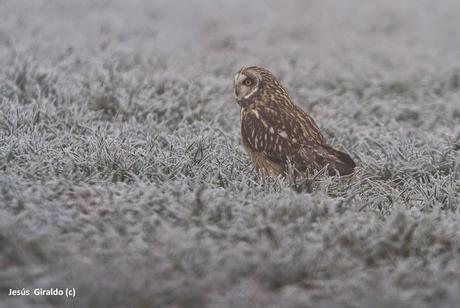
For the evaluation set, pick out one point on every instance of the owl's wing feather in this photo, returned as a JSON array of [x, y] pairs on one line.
[[283, 138], [316, 156], [271, 133], [293, 118]]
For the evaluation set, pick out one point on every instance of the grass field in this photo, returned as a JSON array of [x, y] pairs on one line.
[[122, 173]]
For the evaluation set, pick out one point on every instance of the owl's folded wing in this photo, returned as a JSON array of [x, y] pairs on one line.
[[315, 156], [282, 139]]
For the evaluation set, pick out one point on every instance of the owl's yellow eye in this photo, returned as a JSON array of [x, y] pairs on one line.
[[247, 82]]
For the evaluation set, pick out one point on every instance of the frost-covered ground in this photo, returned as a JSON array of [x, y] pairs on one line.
[[122, 175]]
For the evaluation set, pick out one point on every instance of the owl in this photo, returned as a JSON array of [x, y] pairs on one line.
[[277, 134]]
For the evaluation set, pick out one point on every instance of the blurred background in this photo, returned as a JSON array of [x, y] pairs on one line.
[[401, 37]]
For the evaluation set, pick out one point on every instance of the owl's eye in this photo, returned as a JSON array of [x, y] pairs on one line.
[[248, 82]]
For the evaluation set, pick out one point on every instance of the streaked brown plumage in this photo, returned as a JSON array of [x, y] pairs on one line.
[[277, 133]]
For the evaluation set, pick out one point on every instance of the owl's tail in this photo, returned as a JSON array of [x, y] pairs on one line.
[[343, 164], [316, 156]]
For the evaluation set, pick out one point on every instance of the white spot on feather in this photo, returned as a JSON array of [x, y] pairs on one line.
[[272, 131], [264, 123], [256, 113], [283, 134]]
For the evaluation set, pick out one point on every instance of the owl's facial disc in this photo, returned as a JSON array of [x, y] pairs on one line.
[[245, 85]]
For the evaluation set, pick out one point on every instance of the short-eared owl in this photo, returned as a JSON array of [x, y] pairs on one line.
[[276, 133]]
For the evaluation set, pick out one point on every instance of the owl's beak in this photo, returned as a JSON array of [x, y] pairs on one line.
[[238, 79]]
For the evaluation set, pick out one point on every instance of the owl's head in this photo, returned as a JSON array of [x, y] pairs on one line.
[[253, 81], [246, 83]]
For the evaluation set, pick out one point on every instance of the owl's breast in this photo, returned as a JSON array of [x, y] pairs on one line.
[[252, 130], [261, 130], [260, 140]]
